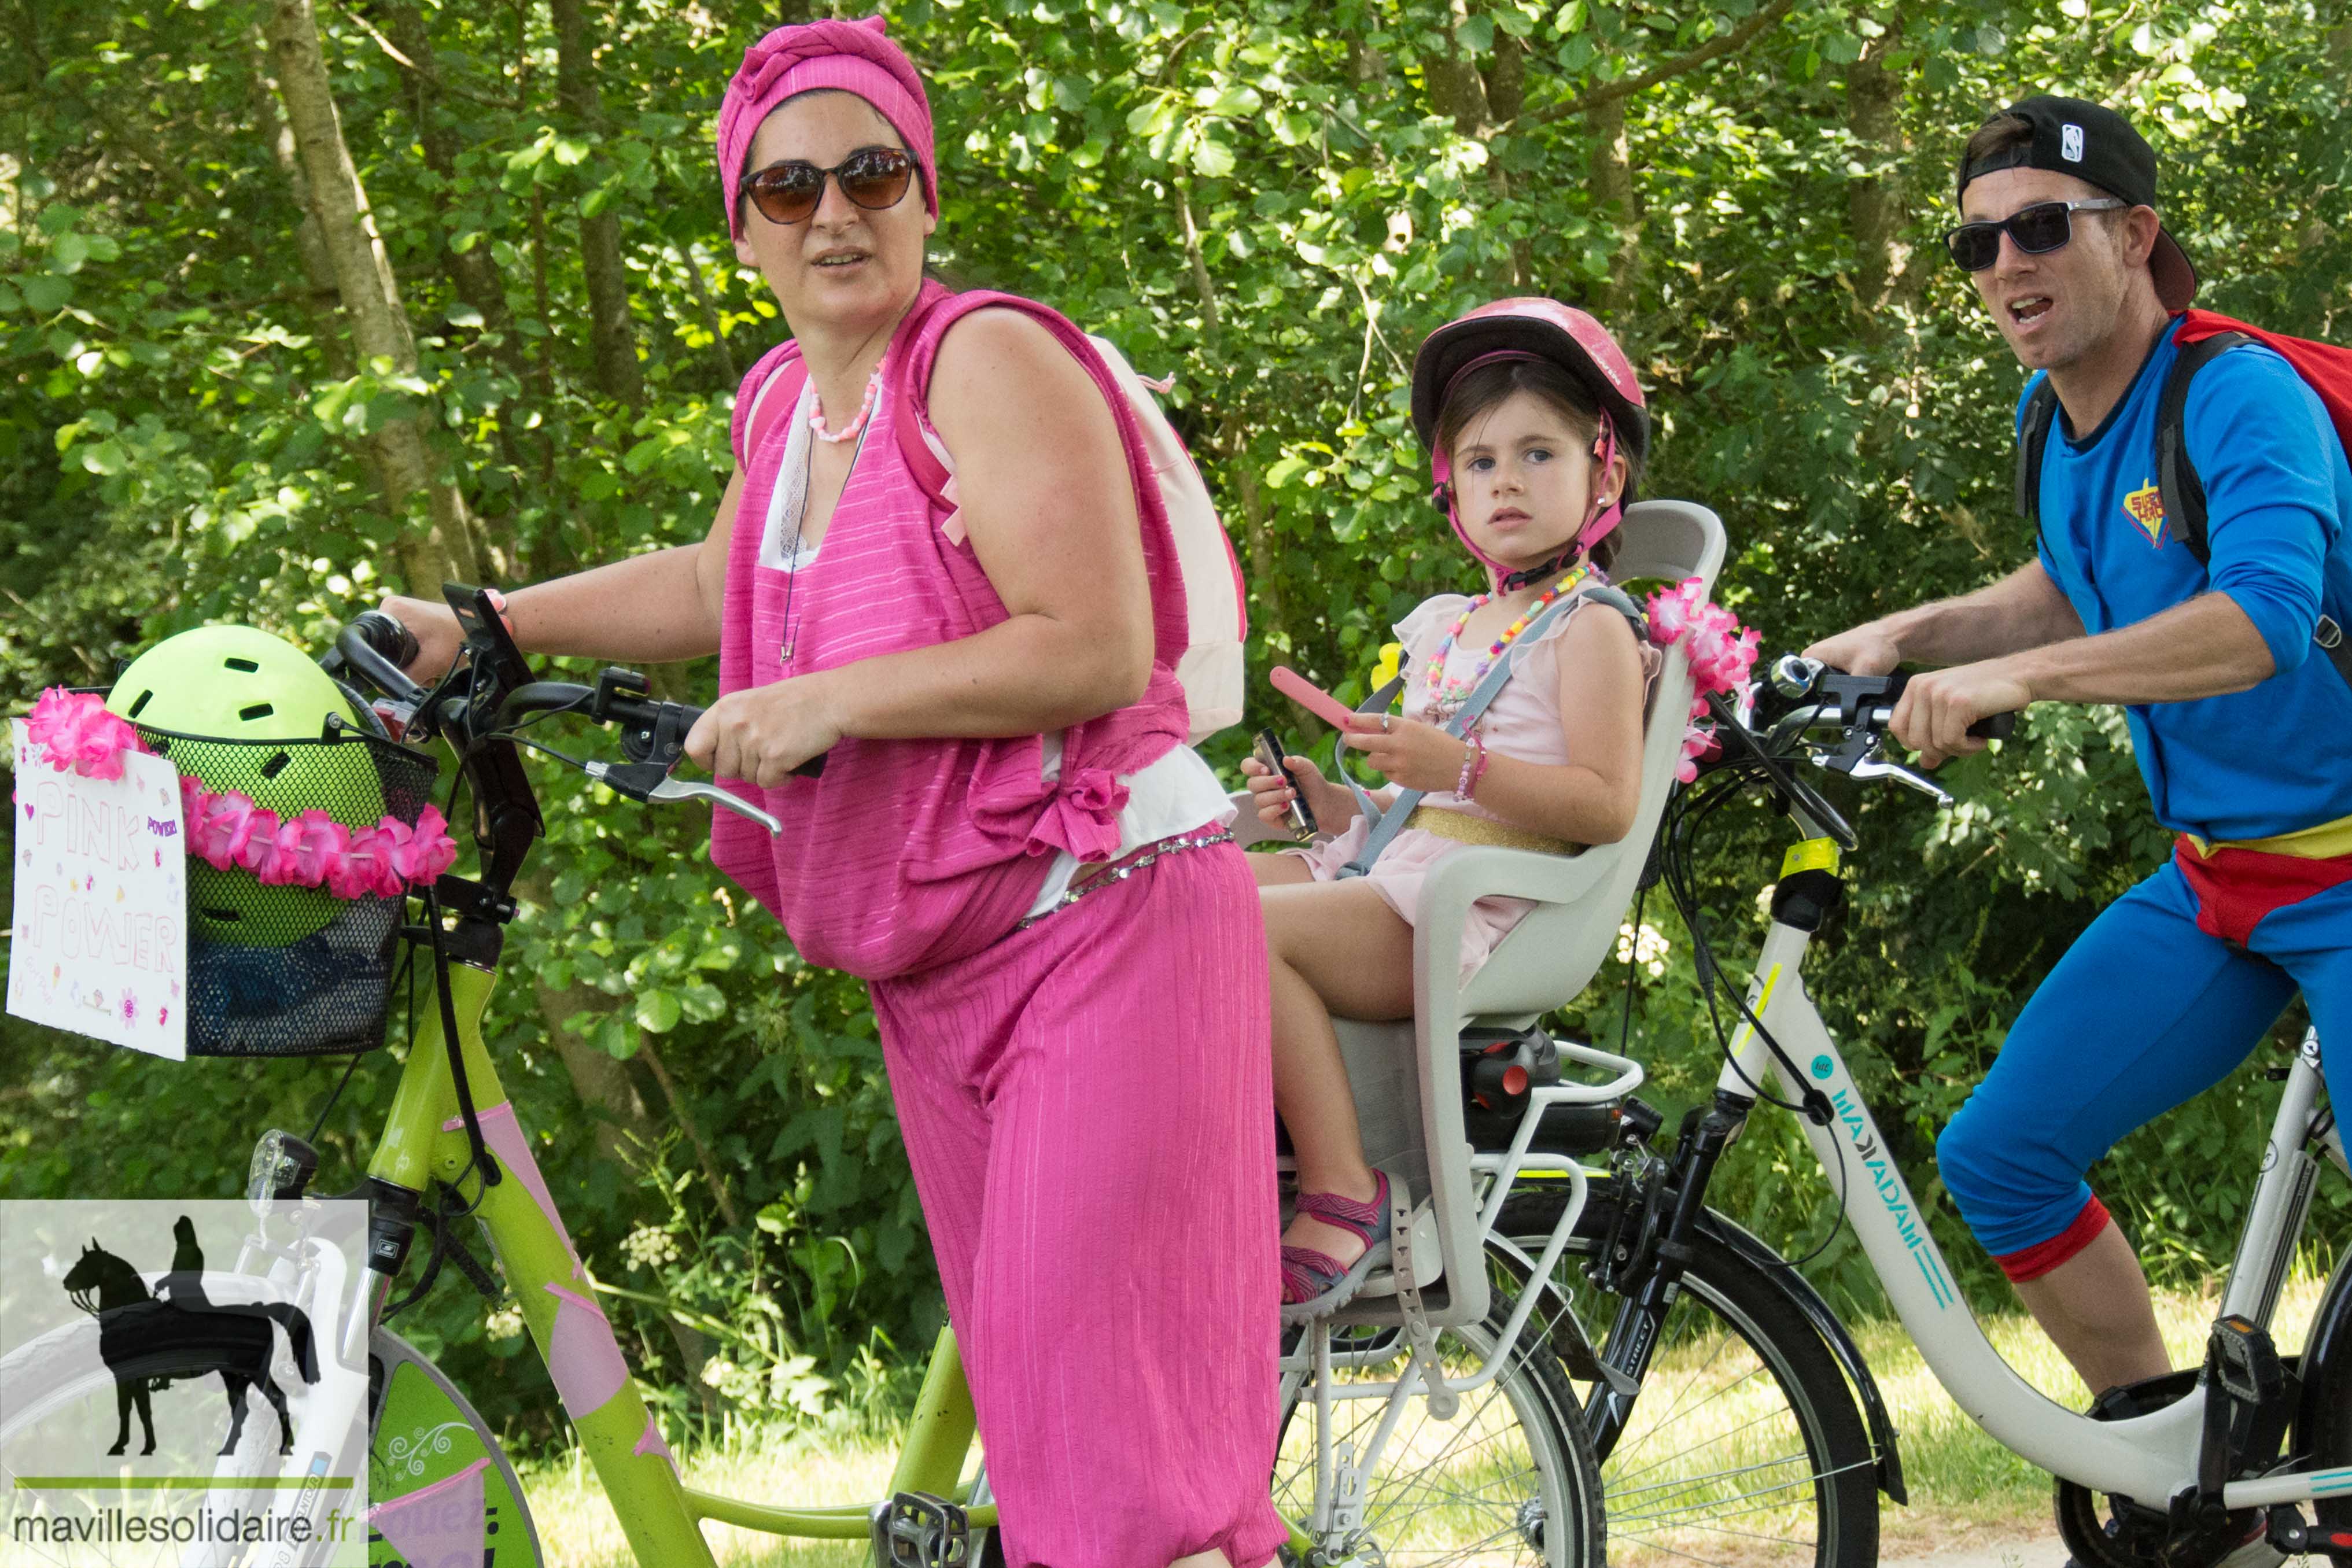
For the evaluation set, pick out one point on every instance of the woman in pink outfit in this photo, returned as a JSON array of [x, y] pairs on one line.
[[992, 685]]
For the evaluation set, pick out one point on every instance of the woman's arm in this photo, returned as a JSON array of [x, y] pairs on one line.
[[1050, 512], [645, 609]]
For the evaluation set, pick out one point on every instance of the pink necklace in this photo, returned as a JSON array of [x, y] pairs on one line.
[[865, 411]]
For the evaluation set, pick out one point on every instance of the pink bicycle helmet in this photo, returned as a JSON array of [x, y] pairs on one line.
[[1531, 329]]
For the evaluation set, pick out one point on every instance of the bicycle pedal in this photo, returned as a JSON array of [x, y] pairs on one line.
[[917, 1529], [2293, 1538]]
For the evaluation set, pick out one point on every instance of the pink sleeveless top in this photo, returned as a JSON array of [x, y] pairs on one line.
[[907, 854]]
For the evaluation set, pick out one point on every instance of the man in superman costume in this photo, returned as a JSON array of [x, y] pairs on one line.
[[2222, 644]]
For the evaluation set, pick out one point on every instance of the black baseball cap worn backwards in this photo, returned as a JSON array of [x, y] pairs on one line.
[[2095, 143]]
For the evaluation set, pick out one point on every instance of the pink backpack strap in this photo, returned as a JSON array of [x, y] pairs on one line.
[[910, 390], [774, 404]]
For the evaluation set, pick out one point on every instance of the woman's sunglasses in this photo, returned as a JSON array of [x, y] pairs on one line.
[[2038, 230], [788, 192]]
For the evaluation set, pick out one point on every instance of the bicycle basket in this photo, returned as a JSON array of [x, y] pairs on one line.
[[293, 971]]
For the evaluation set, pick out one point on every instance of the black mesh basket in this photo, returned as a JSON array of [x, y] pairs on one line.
[[293, 971]]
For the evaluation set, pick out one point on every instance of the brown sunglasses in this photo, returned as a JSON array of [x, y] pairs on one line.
[[789, 193]]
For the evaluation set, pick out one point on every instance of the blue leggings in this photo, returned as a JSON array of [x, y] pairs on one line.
[[2145, 1012]]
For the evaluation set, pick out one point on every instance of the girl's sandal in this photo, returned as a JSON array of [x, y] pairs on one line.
[[1315, 1284]]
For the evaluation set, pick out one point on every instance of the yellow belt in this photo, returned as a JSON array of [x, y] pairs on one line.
[[2326, 842], [1465, 829]]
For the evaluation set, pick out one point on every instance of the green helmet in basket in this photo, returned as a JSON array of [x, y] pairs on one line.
[[239, 684]]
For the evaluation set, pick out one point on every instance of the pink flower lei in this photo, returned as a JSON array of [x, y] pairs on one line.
[[1721, 654], [224, 828]]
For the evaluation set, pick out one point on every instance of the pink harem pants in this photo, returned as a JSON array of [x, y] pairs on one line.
[[1088, 1108]]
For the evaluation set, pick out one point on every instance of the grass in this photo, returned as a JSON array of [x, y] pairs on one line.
[[1966, 1489]]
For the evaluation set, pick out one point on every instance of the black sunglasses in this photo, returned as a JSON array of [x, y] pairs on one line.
[[789, 193], [2038, 230]]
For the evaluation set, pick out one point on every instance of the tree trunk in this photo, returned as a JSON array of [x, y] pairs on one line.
[[1609, 176], [1233, 447], [1455, 88], [473, 273], [318, 267], [610, 330], [442, 546], [1875, 202]]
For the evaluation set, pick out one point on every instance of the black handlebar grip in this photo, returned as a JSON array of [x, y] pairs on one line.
[[388, 636], [1997, 727]]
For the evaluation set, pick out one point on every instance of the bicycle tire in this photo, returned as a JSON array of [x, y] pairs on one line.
[[1537, 1395], [2329, 1439], [414, 1444], [1789, 1476], [50, 1378], [1547, 1510]]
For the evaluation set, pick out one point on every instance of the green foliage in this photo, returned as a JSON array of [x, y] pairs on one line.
[[1273, 200]]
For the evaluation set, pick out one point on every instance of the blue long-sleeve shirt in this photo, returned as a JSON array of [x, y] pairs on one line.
[[2278, 758]]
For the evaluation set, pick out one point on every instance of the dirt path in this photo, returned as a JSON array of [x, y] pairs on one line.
[[2004, 1550]]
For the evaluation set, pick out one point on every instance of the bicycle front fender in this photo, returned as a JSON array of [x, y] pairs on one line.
[[1808, 1301]]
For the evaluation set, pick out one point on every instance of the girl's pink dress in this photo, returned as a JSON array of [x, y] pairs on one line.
[[1523, 722], [1087, 1102]]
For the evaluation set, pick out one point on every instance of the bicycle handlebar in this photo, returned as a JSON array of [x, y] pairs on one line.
[[376, 647]]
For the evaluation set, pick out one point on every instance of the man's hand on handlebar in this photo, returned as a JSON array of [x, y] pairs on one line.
[[1864, 651], [1938, 706], [762, 734]]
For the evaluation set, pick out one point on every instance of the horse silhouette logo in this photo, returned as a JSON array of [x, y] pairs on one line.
[[178, 1333]]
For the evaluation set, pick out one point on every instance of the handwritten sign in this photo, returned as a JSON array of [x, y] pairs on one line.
[[101, 925]]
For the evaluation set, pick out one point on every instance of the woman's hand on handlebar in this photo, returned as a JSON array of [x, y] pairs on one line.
[[1864, 651], [1270, 796], [435, 627], [761, 734], [1938, 706]]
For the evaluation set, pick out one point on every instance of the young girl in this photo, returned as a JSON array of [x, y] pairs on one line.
[[1535, 430]]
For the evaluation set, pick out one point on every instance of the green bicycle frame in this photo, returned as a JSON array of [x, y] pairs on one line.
[[425, 1139]]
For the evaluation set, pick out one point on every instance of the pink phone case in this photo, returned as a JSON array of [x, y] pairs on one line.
[[1310, 697]]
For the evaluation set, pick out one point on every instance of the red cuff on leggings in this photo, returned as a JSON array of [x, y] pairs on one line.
[[2038, 1260]]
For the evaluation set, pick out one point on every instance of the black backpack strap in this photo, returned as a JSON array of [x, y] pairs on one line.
[[2033, 436], [2184, 491], [2175, 473]]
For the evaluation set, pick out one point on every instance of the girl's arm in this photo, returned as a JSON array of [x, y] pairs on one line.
[[1590, 801]]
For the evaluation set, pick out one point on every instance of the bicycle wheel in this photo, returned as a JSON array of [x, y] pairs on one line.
[[1745, 1443], [1511, 1479], [440, 1487], [2330, 1441], [435, 1473]]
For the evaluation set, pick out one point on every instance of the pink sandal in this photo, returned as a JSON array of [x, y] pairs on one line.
[[1315, 1284]]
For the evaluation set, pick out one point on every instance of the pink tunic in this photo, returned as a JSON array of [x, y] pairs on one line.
[[911, 853], [1522, 722]]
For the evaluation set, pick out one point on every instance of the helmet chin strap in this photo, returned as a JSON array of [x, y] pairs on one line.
[[1600, 519]]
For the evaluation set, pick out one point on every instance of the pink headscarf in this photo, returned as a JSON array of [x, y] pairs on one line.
[[854, 57]]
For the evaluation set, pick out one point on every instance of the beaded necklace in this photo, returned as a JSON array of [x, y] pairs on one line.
[[857, 421], [1446, 697]]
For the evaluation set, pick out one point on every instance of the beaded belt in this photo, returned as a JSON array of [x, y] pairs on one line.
[[1096, 874], [1465, 829]]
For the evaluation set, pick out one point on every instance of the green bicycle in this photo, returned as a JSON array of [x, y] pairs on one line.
[[1508, 1478]]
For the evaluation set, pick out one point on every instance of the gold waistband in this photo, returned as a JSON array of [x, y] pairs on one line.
[[2326, 842], [1464, 829]]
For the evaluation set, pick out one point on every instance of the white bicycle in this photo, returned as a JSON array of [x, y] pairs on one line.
[[1765, 1438]]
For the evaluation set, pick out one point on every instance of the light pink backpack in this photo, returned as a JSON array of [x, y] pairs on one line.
[[1215, 601]]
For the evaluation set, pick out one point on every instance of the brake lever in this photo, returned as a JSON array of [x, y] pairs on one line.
[[650, 783], [1874, 766]]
